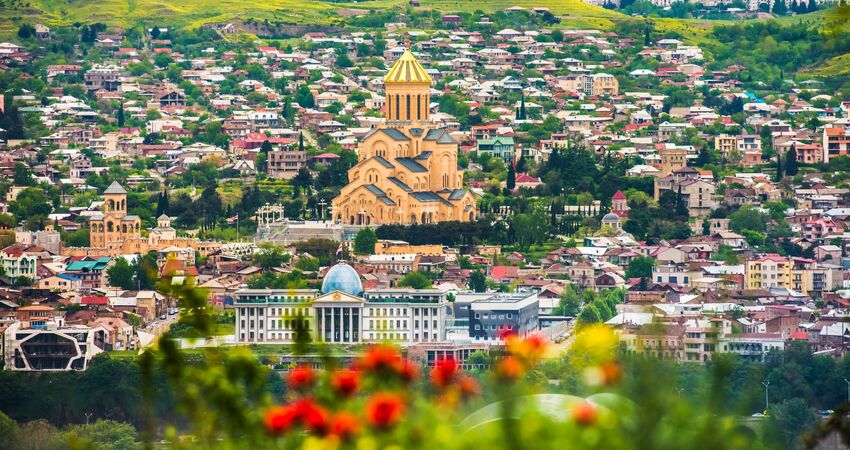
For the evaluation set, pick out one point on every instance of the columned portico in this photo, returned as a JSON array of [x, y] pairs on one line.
[[338, 318]]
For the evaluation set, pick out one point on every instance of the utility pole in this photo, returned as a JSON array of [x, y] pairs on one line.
[[766, 396], [88, 414]]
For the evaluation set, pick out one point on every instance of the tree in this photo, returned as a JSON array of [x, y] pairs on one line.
[[364, 242], [8, 431], [791, 161], [307, 264], [778, 168], [26, 31], [640, 267], [121, 274], [747, 217], [590, 314], [703, 158], [146, 271], [788, 420], [477, 281], [570, 302], [304, 97], [266, 146], [22, 175], [270, 256], [102, 434], [162, 206], [32, 205], [510, 184], [120, 115], [415, 280]]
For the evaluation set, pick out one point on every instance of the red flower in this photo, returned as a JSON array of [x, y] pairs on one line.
[[612, 372], [408, 371], [301, 377], [312, 416], [344, 425], [506, 333], [468, 386], [280, 419], [380, 358], [585, 413], [510, 369], [444, 372], [529, 349], [384, 410], [345, 382]]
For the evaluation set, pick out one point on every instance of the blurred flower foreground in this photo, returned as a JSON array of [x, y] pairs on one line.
[[527, 395]]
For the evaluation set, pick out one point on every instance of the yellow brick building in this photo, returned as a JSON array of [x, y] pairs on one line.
[[407, 167]]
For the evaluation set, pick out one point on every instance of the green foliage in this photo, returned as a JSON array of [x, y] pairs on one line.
[[570, 302], [364, 241], [271, 280], [477, 281], [415, 280], [307, 264], [121, 274], [270, 256], [32, 205], [640, 267], [747, 217]]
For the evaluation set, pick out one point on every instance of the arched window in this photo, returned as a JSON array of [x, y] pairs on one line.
[[408, 106], [109, 226], [418, 107], [124, 228]]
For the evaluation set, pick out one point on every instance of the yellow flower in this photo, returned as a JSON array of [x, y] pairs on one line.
[[595, 344]]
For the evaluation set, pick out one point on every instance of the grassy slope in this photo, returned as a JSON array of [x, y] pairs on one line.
[[182, 13]]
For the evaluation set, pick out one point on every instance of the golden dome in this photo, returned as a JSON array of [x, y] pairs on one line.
[[407, 70]]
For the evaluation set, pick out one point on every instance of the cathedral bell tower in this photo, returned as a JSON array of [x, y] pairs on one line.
[[407, 87]]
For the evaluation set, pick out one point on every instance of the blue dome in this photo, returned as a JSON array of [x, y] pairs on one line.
[[342, 277]]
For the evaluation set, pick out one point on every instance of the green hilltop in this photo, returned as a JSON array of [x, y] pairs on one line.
[[187, 13]]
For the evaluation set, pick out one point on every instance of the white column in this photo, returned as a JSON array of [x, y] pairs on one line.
[[333, 325], [350, 324]]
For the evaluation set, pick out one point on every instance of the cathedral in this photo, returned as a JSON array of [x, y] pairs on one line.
[[407, 168]]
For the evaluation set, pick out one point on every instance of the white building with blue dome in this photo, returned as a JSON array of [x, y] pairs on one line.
[[341, 312]]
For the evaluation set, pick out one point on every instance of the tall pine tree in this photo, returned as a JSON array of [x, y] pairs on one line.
[[778, 167], [120, 115], [162, 205], [791, 162]]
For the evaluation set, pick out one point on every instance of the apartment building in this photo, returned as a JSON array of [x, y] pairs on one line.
[[285, 163], [836, 142], [798, 274]]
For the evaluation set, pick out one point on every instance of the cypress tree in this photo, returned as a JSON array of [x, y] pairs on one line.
[[162, 205], [511, 182], [778, 167], [301, 141], [121, 115], [791, 162]]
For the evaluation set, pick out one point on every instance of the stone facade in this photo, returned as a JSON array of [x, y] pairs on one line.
[[407, 169]]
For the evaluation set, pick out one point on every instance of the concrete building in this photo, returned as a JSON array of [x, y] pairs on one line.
[[50, 346]]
